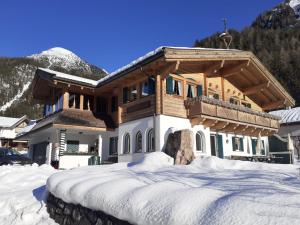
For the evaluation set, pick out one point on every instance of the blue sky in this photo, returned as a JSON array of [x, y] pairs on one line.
[[111, 33]]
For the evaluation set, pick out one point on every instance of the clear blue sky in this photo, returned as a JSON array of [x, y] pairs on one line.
[[111, 33]]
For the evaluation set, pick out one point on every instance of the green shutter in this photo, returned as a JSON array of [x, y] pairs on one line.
[[169, 85], [220, 146], [241, 144], [233, 144], [199, 90], [254, 143]]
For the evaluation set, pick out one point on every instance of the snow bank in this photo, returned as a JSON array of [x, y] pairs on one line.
[[209, 191], [22, 195]]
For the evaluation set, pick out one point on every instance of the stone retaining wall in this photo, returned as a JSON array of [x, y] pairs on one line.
[[69, 214]]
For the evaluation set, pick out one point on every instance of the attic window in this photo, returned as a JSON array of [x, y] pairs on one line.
[[74, 101]]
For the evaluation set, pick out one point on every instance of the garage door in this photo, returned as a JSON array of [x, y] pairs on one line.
[[39, 153]]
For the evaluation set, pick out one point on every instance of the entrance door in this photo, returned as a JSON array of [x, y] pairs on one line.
[[213, 144], [39, 153]]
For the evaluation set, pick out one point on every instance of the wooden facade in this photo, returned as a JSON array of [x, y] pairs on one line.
[[242, 89]]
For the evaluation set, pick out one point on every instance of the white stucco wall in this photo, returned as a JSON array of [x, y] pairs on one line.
[[73, 161]]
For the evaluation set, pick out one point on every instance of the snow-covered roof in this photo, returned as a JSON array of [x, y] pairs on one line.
[[288, 115], [70, 77], [152, 53], [7, 122]]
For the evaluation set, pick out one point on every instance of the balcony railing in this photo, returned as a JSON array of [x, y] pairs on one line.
[[204, 106]]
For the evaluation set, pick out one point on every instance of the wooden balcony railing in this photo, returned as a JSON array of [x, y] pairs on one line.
[[212, 108]]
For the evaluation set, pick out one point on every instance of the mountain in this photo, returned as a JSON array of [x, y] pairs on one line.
[[274, 37], [16, 75]]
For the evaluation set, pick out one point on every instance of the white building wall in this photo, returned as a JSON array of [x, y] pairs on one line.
[[73, 161]]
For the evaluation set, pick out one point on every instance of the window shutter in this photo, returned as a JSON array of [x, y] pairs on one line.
[[233, 144], [199, 90], [125, 94], [151, 83], [169, 85], [242, 144]]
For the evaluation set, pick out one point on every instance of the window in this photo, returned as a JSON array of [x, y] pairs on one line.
[[237, 144], [132, 93], [213, 95], [246, 104], [200, 139], [114, 103], [138, 142], [126, 144], [113, 146], [129, 94], [148, 87], [150, 141], [74, 100], [47, 109], [190, 91], [72, 146], [174, 87], [88, 102], [58, 102], [234, 101]]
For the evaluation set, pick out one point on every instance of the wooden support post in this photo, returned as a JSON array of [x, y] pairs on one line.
[[66, 100], [120, 102], [158, 94], [81, 102]]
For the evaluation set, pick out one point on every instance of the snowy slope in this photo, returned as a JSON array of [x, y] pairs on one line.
[[22, 195], [209, 191]]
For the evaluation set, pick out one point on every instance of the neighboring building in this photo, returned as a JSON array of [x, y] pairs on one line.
[[289, 124], [9, 129], [222, 95]]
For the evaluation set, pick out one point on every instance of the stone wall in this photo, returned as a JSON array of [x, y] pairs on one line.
[[69, 214]]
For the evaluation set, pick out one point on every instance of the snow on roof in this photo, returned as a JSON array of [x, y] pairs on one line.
[[152, 53], [70, 77], [288, 115], [7, 122], [208, 191], [131, 64]]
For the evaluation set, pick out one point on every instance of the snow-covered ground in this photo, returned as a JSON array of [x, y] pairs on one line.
[[209, 191], [22, 195]]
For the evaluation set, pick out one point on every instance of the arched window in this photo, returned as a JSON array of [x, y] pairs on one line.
[[200, 140], [138, 142], [150, 141], [126, 149]]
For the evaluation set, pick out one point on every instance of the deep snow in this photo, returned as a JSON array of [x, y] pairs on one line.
[[22, 195], [209, 191]]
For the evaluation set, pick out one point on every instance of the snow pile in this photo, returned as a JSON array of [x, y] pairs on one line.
[[209, 191], [22, 195], [288, 115], [16, 98]]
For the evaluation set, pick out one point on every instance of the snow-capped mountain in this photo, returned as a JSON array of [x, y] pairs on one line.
[[295, 5], [16, 75]]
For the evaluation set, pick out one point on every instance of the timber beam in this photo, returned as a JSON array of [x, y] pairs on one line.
[[255, 89], [274, 105]]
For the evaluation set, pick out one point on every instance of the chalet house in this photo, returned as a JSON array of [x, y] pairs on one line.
[[222, 95], [10, 128]]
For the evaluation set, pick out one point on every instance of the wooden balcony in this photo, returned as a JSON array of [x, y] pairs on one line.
[[225, 117]]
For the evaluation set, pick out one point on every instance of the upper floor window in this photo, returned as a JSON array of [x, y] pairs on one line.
[[129, 94], [74, 100], [234, 101], [190, 91], [174, 87], [114, 103], [246, 104], [138, 142], [126, 146], [148, 87], [88, 102]]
